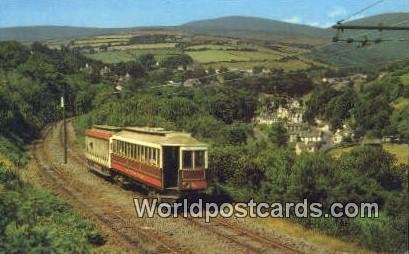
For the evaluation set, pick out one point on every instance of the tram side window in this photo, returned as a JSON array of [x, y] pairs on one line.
[[157, 157], [153, 156], [122, 148], [143, 153], [187, 160], [134, 152], [148, 154]]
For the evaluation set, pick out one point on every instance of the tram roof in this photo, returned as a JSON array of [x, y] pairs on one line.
[[157, 136]]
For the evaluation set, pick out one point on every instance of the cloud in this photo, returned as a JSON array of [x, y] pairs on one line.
[[320, 24], [294, 19], [336, 11]]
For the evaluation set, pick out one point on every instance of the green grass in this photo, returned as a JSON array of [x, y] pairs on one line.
[[146, 46], [405, 79], [400, 151], [288, 66], [211, 56], [211, 46], [130, 55], [214, 55], [401, 103]]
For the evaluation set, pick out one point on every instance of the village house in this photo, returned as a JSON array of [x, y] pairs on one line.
[[294, 130], [104, 71], [192, 82], [173, 83], [302, 147], [341, 134], [390, 139], [87, 68], [312, 136]]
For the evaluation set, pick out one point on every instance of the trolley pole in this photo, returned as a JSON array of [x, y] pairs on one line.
[[64, 124]]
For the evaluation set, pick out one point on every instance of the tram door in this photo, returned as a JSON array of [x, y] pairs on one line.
[[171, 166]]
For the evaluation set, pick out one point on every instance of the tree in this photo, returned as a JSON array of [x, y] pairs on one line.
[[372, 114], [400, 121], [278, 134], [316, 105], [311, 178], [12, 54], [339, 108], [175, 61], [147, 61]]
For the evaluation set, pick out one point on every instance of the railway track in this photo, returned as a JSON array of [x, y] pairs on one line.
[[251, 241], [131, 234]]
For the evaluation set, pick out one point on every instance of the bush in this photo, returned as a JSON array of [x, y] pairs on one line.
[[33, 220]]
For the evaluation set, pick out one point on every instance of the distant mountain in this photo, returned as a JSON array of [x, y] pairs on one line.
[[371, 56], [43, 33], [257, 28], [340, 54]]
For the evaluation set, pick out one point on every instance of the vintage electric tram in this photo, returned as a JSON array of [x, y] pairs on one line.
[[163, 162]]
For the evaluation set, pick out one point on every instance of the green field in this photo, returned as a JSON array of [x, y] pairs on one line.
[[211, 56], [216, 56], [210, 46], [400, 151], [118, 56], [288, 66], [146, 46]]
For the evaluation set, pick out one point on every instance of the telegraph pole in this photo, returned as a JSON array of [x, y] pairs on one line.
[[64, 123]]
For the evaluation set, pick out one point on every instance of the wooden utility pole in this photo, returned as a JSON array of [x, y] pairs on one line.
[[65, 123]]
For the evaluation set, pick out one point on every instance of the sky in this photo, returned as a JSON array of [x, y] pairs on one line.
[[130, 13]]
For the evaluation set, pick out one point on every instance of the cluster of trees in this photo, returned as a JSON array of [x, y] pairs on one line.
[[217, 114], [369, 108], [32, 80], [293, 83], [267, 173], [173, 62]]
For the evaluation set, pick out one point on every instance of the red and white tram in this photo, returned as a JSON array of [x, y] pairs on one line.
[[160, 160]]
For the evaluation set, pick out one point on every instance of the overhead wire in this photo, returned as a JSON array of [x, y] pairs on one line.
[[361, 11]]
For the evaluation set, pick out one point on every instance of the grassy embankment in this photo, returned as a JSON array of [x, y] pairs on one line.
[[32, 218]]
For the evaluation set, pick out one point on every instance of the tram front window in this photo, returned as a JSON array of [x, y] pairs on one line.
[[187, 160]]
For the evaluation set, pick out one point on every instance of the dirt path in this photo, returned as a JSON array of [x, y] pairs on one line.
[[111, 208]]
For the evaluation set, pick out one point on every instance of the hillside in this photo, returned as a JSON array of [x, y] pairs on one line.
[[233, 26], [347, 55], [257, 28], [341, 54], [43, 33]]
